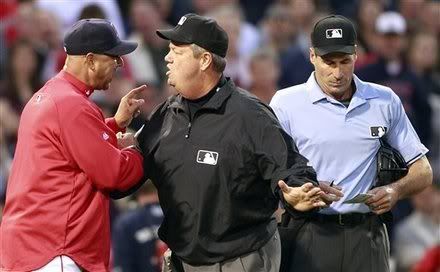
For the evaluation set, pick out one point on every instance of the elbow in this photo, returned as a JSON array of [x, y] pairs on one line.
[[426, 174]]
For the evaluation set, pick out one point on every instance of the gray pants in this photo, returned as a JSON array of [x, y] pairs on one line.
[[329, 246], [265, 259]]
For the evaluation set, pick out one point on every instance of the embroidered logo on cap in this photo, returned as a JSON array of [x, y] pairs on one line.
[[182, 20], [335, 33], [378, 132], [207, 157]]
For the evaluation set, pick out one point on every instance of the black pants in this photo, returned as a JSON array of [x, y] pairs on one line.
[[322, 245]]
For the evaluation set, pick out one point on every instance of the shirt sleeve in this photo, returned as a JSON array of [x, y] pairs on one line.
[[111, 123], [277, 155], [283, 119], [402, 135], [92, 146]]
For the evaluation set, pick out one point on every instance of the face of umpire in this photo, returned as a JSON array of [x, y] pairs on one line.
[[334, 73], [101, 69], [186, 69]]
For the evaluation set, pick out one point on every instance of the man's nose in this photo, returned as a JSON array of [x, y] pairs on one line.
[[337, 73], [167, 57]]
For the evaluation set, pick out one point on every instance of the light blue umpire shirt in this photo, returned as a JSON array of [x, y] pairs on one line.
[[341, 143]]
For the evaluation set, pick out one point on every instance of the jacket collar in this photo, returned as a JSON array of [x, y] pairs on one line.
[[80, 86], [223, 93]]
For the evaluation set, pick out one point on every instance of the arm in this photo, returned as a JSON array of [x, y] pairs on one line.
[[279, 162], [418, 178], [402, 137], [92, 147]]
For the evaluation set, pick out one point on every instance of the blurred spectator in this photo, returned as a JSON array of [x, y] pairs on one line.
[[69, 11], [295, 63], [8, 126], [430, 261], [411, 11], [429, 17], [391, 70], [9, 120], [367, 13], [420, 231], [49, 45], [92, 11], [147, 61], [243, 40], [22, 75], [17, 20], [202, 7], [278, 28], [254, 10], [135, 240], [264, 71], [423, 54]]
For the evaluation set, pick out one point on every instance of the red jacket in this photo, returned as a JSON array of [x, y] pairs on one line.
[[66, 160]]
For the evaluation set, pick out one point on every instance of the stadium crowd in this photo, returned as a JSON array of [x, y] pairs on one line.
[[269, 40]]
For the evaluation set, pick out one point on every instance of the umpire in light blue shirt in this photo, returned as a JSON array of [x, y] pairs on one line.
[[336, 120]]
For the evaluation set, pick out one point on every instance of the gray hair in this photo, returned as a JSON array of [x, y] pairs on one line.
[[218, 63]]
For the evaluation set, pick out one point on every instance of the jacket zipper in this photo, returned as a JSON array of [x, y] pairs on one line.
[[188, 131]]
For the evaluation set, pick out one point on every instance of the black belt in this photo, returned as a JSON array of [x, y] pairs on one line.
[[342, 219]]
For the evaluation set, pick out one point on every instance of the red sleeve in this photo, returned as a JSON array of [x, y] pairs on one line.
[[92, 145], [111, 123]]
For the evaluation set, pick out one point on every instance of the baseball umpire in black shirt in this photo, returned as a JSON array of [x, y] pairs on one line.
[[220, 161]]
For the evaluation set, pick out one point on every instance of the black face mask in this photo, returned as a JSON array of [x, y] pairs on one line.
[[391, 166]]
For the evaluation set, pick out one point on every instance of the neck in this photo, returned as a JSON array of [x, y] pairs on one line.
[[206, 84], [76, 68]]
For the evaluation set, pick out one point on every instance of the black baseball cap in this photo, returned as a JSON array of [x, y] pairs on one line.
[[334, 34], [202, 31], [96, 36]]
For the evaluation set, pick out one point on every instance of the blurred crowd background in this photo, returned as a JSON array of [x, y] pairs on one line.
[[398, 46]]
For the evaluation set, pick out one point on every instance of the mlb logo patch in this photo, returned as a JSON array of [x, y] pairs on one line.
[[378, 132], [335, 33], [182, 20], [207, 157]]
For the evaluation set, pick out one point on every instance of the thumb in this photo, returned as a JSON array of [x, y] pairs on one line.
[[283, 186]]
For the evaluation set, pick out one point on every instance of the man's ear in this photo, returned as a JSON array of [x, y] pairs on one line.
[[90, 61], [205, 60], [312, 55]]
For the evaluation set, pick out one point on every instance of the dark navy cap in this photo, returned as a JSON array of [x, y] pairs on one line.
[[204, 32], [96, 36], [334, 34]]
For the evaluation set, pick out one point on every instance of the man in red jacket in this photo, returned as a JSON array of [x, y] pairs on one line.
[[67, 159]]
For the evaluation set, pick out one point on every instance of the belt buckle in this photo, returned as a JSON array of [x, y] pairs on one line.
[[340, 221]]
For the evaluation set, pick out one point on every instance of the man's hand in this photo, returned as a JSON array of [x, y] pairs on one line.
[[384, 198], [330, 192], [129, 107], [302, 198], [126, 140]]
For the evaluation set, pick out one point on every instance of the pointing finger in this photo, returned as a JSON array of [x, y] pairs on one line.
[[136, 91]]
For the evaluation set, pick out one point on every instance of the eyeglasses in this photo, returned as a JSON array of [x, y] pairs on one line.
[[119, 61]]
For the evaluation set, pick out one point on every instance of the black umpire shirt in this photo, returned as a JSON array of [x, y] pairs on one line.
[[217, 173]]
